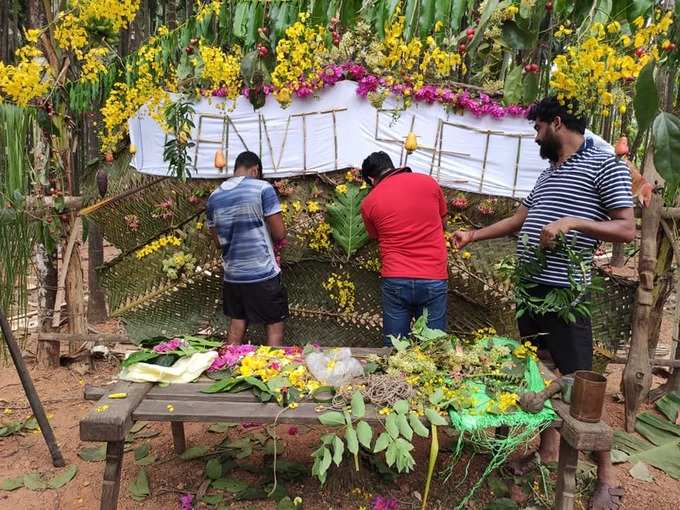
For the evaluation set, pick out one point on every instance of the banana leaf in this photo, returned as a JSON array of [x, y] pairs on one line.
[[669, 405], [344, 217], [665, 457], [656, 430]]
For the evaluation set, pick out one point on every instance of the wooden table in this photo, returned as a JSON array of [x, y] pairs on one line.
[[180, 403]]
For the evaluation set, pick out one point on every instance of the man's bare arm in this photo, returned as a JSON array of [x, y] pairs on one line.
[[276, 227]]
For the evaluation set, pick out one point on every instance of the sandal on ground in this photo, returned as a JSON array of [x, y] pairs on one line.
[[606, 497]]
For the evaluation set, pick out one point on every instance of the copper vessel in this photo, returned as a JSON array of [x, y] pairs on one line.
[[587, 396]]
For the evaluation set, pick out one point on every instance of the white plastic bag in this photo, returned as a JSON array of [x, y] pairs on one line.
[[334, 367]]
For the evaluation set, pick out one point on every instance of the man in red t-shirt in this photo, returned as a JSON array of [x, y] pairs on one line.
[[405, 212]]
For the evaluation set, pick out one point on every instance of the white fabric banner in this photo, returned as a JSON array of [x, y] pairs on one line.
[[339, 129]]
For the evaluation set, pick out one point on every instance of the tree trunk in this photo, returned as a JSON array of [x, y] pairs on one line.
[[189, 6], [662, 288], [618, 255], [171, 14], [637, 374], [96, 302]]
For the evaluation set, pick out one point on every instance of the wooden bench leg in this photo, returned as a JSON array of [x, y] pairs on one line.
[[565, 492], [178, 436], [111, 485]]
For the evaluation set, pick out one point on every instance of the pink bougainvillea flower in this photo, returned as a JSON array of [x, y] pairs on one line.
[[170, 345]]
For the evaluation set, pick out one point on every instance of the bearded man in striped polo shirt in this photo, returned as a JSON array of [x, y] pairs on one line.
[[585, 197]]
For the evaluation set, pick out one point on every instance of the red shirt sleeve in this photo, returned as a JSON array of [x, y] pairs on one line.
[[368, 223]]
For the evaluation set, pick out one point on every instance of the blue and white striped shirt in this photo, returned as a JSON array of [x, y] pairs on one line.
[[237, 211], [588, 185]]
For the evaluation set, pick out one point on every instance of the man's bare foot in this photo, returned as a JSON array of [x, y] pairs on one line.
[[529, 463], [606, 497]]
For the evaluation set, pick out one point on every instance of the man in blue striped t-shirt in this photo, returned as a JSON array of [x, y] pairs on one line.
[[244, 216], [585, 195]]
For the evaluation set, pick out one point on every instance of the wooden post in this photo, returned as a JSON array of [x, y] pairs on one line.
[[96, 301], [178, 437], [565, 491], [31, 393], [618, 255], [637, 375], [111, 484]]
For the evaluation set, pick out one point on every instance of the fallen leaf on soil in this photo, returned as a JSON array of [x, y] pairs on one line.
[[640, 472], [34, 482], [618, 456], [139, 489], [63, 478], [11, 484], [230, 484], [194, 452], [96, 454]]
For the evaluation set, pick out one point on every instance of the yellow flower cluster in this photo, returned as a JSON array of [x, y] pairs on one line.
[[599, 70], [93, 63], [507, 401], [208, 9], [302, 379], [299, 55], [120, 13], [412, 61], [70, 34], [483, 333], [313, 206], [342, 291], [26, 80], [156, 245], [125, 100], [320, 237], [526, 350], [220, 69]]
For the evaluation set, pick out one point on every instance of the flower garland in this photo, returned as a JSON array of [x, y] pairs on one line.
[[600, 70]]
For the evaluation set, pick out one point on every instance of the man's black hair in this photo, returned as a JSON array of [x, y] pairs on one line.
[[549, 107], [375, 165], [248, 159]]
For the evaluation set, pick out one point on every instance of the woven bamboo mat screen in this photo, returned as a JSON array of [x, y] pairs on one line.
[[149, 303]]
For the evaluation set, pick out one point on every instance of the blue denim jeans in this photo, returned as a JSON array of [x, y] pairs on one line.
[[405, 299]]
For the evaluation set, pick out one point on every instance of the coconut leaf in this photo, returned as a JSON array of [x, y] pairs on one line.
[[344, 217]]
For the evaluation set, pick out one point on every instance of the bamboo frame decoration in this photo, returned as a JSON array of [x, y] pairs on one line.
[[488, 133], [436, 149], [228, 123]]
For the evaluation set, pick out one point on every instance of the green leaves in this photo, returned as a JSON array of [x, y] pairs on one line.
[[11, 484], [391, 425], [517, 36], [384, 439], [417, 425], [230, 485], [401, 406], [364, 434], [646, 100], [426, 21], [195, 452], [435, 418], [332, 419], [513, 89], [666, 130], [34, 482], [96, 454], [139, 488], [410, 11], [64, 477], [352, 440], [139, 357], [358, 406], [338, 450], [344, 217], [213, 469]]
